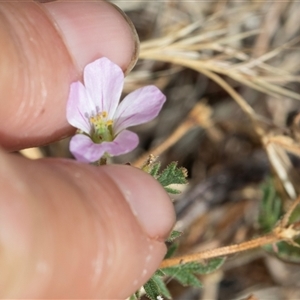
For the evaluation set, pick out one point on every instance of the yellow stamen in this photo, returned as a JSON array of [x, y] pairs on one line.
[[92, 120], [101, 128]]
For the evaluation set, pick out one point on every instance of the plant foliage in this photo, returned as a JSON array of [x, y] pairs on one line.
[[185, 274], [169, 176], [271, 210]]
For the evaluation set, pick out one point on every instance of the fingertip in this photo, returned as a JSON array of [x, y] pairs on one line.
[[44, 49], [149, 202], [87, 38], [74, 222]]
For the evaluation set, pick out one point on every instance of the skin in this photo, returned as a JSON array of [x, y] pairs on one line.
[[68, 230]]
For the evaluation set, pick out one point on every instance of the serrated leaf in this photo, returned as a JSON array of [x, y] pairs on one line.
[[188, 279], [172, 175], [271, 210], [159, 272], [172, 191], [154, 170], [270, 207], [169, 176], [171, 251], [173, 236], [184, 275], [285, 251], [210, 266], [162, 286], [152, 289]]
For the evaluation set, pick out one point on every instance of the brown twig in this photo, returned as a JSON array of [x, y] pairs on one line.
[[277, 235], [222, 251], [282, 232], [286, 218]]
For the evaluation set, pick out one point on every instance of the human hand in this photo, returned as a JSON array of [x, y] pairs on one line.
[[68, 230]]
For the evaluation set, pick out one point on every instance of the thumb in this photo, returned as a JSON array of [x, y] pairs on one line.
[[44, 48], [69, 230]]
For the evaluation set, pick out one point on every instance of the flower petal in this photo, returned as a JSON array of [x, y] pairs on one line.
[[79, 104], [139, 107], [125, 142], [85, 150], [104, 83]]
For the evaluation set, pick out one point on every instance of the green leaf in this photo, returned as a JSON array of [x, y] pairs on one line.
[[285, 251], [155, 287], [152, 289], [173, 236], [270, 207], [161, 286], [171, 251], [159, 272], [210, 266], [172, 175], [154, 169], [271, 210], [183, 274], [172, 191]]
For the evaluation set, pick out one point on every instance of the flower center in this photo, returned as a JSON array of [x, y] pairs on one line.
[[102, 129]]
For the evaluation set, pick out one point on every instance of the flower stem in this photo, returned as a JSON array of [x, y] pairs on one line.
[[102, 161]]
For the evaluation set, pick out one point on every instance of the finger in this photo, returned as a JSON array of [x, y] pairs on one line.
[[94, 235], [44, 48]]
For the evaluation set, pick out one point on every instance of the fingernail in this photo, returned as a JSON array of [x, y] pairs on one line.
[[135, 37], [148, 201]]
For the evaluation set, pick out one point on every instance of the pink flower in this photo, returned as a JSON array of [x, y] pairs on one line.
[[94, 109]]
